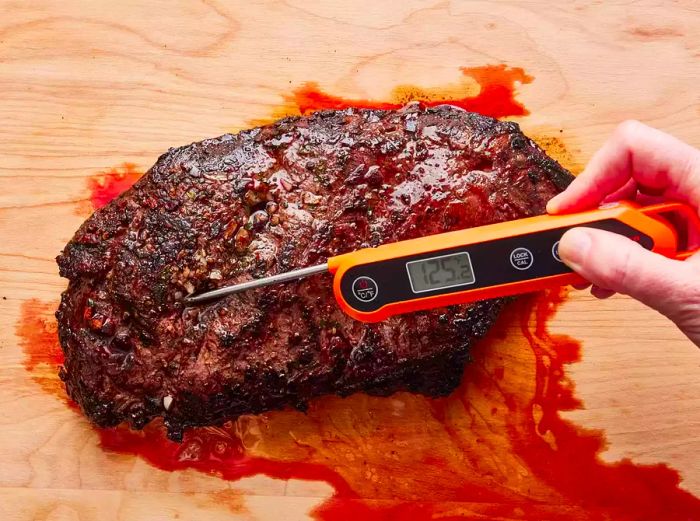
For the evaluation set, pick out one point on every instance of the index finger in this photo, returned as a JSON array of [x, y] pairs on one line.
[[653, 159]]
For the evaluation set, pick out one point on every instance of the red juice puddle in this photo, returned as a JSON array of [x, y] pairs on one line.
[[105, 186], [489, 90], [37, 331], [502, 433], [495, 448], [495, 97], [212, 450]]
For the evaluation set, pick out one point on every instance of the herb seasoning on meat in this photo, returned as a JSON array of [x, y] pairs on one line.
[[265, 201]]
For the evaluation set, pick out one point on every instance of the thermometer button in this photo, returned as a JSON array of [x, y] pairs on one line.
[[521, 258], [555, 251], [365, 289]]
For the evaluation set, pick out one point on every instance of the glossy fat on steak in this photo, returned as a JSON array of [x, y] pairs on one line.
[[265, 201]]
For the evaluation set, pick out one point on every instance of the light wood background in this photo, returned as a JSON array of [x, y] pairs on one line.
[[85, 86]]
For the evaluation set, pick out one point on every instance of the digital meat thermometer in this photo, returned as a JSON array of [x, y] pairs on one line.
[[495, 260]]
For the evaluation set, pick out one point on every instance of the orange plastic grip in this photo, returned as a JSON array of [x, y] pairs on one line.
[[686, 214], [648, 220]]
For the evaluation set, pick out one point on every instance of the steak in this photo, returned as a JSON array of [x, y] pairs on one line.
[[265, 201]]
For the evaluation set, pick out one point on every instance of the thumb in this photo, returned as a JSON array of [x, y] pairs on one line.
[[614, 262]]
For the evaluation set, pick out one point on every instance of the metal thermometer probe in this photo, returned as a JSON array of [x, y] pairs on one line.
[[288, 276]]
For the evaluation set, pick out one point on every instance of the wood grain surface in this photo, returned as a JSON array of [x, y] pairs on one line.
[[85, 86]]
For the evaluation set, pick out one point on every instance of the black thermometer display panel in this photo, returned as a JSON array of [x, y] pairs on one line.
[[368, 287]]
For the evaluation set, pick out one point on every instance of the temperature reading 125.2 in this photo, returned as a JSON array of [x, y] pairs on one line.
[[445, 271]]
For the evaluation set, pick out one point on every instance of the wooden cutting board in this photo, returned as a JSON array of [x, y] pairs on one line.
[[86, 87]]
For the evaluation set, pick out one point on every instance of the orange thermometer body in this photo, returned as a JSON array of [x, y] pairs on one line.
[[490, 261]]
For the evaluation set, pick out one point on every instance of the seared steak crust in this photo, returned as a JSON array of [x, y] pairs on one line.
[[268, 200]]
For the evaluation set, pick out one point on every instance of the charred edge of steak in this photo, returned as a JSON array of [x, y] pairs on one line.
[[435, 375], [265, 201]]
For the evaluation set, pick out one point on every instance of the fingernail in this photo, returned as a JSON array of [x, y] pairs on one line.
[[552, 205], [574, 246]]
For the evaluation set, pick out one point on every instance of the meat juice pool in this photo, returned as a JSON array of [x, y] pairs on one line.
[[496, 447]]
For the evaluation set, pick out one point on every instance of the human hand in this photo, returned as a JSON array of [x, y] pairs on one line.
[[643, 164]]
